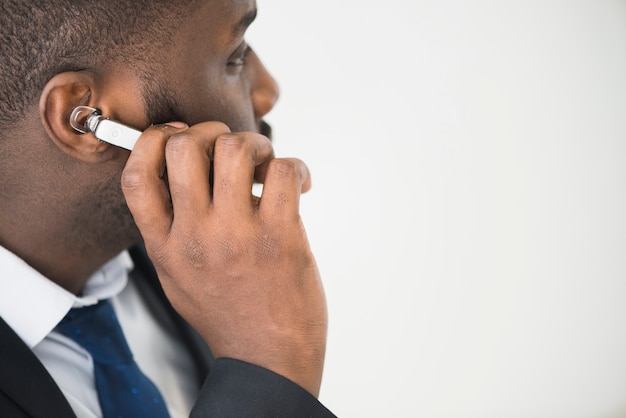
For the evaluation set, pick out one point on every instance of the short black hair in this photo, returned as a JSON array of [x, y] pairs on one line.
[[41, 38]]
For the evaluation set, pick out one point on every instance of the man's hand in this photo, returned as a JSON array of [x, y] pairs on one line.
[[237, 267]]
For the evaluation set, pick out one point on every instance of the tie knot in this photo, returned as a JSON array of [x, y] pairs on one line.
[[98, 331]]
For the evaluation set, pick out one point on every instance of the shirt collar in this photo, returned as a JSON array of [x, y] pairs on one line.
[[33, 305]]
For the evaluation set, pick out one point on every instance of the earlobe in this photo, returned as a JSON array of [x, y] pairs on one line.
[[60, 96]]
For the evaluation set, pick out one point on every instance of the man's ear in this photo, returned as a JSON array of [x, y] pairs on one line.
[[60, 96]]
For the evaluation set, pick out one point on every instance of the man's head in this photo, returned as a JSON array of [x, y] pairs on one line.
[[40, 39], [140, 62]]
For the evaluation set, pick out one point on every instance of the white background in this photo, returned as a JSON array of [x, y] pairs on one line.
[[468, 212]]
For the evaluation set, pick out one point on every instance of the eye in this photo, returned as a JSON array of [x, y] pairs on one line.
[[238, 59]]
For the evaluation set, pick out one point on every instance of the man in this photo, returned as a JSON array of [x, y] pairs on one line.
[[236, 267]]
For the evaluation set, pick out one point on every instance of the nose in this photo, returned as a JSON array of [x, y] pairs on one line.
[[264, 89]]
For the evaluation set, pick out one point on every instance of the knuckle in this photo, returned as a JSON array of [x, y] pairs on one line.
[[132, 178], [228, 250], [284, 167], [179, 143], [196, 252], [268, 246], [261, 146], [230, 141], [234, 146]]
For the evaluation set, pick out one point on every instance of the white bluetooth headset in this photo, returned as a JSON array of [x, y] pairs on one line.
[[86, 119]]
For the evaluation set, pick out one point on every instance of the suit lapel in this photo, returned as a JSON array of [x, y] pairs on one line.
[[28, 390], [26, 382]]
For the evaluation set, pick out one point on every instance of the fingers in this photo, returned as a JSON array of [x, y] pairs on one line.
[[145, 191], [286, 178], [239, 269], [188, 155], [157, 204], [236, 158]]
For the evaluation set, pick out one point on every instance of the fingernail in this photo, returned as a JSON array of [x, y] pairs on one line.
[[177, 124]]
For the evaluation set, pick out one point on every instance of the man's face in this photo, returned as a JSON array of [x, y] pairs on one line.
[[211, 72], [208, 74]]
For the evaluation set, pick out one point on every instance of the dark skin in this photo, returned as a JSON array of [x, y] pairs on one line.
[[238, 268]]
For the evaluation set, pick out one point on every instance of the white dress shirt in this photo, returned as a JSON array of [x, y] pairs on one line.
[[33, 305]]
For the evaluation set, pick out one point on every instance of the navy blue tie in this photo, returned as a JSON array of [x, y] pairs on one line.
[[123, 390]]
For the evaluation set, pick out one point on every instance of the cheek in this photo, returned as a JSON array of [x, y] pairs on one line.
[[206, 92], [225, 103]]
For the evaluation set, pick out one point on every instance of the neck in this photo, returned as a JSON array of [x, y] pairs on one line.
[[59, 251], [66, 223]]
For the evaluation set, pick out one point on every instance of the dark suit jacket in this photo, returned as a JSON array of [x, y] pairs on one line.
[[231, 388]]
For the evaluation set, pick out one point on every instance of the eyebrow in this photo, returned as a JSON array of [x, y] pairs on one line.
[[244, 22]]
